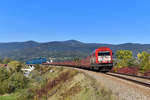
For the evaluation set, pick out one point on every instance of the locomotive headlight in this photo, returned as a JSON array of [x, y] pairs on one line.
[[109, 59], [100, 59]]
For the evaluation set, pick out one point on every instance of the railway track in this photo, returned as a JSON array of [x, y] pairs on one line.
[[141, 80], [123, 86]]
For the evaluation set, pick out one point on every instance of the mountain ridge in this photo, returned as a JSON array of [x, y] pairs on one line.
[[71, 48]]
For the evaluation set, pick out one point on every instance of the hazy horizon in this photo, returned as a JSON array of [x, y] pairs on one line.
[[71, 40]]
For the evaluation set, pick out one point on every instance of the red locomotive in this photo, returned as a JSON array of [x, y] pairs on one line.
[[101, 60]]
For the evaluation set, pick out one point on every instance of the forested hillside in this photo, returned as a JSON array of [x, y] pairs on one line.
[[60, 49]]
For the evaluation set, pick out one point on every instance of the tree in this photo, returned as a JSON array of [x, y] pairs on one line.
[[124, 58], [144, 59]]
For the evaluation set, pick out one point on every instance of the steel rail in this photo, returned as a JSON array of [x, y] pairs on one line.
[[129, 79], [143, 77], [121, 77]]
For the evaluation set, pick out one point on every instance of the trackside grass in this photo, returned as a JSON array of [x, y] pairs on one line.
[[11, 97]]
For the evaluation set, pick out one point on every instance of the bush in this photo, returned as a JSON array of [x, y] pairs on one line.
[[6, 60], [3, 87], [35, 75], [4, 74], [14, 82], [27, 95], [18, 80], [129, 70], [11, 78], [37, 67], [15, 65], [147, 73], [146, 67]]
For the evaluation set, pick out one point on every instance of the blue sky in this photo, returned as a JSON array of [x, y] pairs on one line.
[[99, 21]]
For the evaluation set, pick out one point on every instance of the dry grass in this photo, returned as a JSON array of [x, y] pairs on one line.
[[72, 91], [64, 76], [69, 84]]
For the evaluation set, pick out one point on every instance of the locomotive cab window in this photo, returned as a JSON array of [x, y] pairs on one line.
[[103, 53]]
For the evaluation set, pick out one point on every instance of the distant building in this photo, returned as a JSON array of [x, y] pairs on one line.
[[51, 59]]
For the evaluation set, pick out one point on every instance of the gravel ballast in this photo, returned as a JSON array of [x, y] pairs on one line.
[[124, 90]]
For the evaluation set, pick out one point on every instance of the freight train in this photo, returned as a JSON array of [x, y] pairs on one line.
[[100, 60], [33, 61]]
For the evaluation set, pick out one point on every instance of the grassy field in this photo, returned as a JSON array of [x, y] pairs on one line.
[[9, 97]]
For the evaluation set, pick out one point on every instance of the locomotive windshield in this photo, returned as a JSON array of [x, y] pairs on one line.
[[104, 53], [104, 57]]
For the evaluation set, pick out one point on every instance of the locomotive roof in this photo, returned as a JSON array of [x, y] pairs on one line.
[[102, 49]]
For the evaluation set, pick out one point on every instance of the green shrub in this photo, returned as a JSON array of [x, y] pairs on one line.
[[12, 78], [4, 74], [15, 65], [14, 82], [6, 60], [37, 67], [27, 95], [35, 75], [144, 59], [18, 80]]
